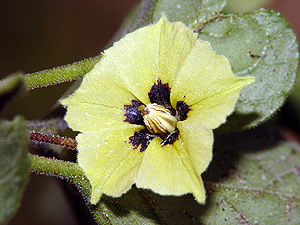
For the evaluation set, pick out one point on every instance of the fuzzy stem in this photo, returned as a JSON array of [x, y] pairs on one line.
[[52, 139]]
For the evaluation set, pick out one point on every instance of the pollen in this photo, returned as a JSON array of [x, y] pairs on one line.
[[158, 119]]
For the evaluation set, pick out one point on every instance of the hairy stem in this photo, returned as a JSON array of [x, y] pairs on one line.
[[53, 139]]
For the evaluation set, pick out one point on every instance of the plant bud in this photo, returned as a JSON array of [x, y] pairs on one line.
[[158, 119]]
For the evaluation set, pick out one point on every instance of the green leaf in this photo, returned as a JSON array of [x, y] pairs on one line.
[[60, 74], [14, 164], [11, 87], [260, 44], [189, 12], [186, 11], [256, 181], [241, 6]]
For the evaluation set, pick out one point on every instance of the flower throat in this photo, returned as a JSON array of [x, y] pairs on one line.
[[158, 117]]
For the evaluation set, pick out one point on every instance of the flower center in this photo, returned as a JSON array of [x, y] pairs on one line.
[[158, 119]]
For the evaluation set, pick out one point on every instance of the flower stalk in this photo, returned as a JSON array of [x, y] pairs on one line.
[[53, 139]]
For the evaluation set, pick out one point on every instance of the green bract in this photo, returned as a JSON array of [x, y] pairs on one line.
[[115, 150]]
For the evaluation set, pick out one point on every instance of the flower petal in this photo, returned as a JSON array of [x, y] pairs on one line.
[[108, 160], [175, 44], [135, 60], [204, 74], [197, 76], [168, 170], [149, 53], [206, 83], [198, 141], [212, 112], [101, 87], [85, 117]]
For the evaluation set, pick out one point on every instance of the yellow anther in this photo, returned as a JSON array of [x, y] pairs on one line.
[[158, 119]]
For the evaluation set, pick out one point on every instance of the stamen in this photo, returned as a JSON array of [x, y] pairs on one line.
[[158, 119]]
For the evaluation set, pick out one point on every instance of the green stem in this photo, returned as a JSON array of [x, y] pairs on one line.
[[60, 74], [62, 169]]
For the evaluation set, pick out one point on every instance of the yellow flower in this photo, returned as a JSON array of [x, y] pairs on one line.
[[146, 112]]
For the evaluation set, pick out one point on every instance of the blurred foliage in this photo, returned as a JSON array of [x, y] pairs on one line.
[[241, 6], [14, 164]]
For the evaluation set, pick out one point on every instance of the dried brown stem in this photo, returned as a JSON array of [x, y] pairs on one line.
[[52, 139]]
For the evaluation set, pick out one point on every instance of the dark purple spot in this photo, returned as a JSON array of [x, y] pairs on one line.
[[182, 110], [141, 138], [133, 114], [160, 94], [171, 138]]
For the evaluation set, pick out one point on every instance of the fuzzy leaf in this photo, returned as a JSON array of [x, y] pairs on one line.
[[257, 181], [14, 164], [241, 6], [261, 44], [188, 12]]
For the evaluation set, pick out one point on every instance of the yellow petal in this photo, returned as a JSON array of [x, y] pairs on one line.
[[135, 60], [168, 170], [175, 44], [212, 111], [87, 117], [149, 53], [206, 83], [101, 87], [198, 141], [108, 160]]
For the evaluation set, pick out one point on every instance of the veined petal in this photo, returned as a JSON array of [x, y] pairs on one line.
[[101, 87], [168, 170], [85, 117], [175, 44], [205, 74], [135, 60], [198, 141], [149, 53], [207, 84], [212, 111], [108, 160]]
